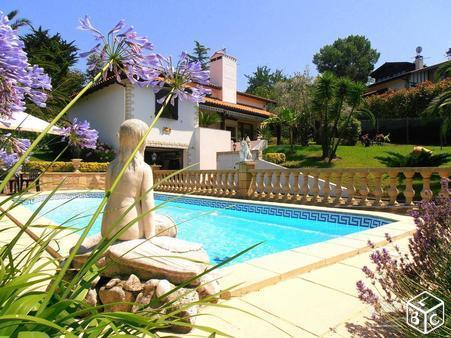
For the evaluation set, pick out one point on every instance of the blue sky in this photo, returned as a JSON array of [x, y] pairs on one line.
[[278, 33]]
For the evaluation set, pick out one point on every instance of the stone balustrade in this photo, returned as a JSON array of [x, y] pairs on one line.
[[201, 182], [353, 187]]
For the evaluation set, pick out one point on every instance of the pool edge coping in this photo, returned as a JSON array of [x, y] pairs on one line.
[[260, 272]]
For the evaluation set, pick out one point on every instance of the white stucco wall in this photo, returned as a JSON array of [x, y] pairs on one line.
[[105, 111], [207, 142], [181, 129]]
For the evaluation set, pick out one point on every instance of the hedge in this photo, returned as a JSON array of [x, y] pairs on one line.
[[66, 166], [409, 102], [276, 158]]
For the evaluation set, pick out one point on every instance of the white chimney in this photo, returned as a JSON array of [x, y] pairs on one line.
[[223, 74], [419, 59]]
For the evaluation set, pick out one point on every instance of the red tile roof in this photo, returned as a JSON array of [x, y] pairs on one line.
[[236, 106]]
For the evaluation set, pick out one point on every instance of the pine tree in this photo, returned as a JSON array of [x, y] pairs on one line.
[[200, 54]]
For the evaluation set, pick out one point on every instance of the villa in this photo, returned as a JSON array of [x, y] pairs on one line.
[[177, 140]]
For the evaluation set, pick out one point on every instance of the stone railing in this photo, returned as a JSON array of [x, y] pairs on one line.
[[202, 182], [364, 187]]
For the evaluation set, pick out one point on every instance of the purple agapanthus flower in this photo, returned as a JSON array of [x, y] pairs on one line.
[[129, 54], [79, 134], [18, 79], [7, 160], [126, 51], [186, 78]]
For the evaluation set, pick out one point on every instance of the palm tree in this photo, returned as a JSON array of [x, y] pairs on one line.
[[441, 104], [207, 119], [286, 117], [20, 22]]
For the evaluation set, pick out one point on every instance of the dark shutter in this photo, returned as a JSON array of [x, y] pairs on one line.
[[170, 111]]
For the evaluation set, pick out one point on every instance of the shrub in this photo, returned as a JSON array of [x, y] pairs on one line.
[[420, 157], [276, 158], [402, 276], [102, 153], [65, 166], [410, 102], [351, 132]]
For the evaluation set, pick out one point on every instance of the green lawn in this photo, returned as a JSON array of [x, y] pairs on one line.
[[349, 156]]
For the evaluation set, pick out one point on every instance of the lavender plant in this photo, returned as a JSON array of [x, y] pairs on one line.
[[398, 277]]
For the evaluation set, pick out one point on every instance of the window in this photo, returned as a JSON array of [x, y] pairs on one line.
[[170, 111]]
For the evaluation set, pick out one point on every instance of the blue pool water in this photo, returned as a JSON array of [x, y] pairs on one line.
[[224, 228]]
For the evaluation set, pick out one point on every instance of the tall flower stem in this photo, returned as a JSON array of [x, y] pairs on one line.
[[96, 214], [16, 166]]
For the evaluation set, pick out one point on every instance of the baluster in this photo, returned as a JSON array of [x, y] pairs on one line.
[[393, 190], [364, 191], [444, 183], [378, 191], [295, 187], [326, 189], [315, 188], [260, 185], [426, 193], [252, 186], [268, 185], [226, 183], [409, 192], [305, 187], [338, 188], [285, 181], [276, 185], [351, 189], [211, 183]]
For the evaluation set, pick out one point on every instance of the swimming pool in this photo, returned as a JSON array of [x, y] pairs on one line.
[[223, 227]]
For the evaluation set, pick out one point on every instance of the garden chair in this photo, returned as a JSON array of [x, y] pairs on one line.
[[31, 176]]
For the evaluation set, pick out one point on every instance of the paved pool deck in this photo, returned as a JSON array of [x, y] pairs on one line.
[[318, 301]]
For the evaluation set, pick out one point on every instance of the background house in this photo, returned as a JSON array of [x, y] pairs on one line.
[[177, 140], [399, 75]]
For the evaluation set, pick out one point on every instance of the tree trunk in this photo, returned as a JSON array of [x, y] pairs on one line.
[[278, 134]]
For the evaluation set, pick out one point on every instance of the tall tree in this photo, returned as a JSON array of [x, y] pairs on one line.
[[262, 81], [200, 54], [295, 93], [56, 56], [18, 22], [350, 57], [335, 101]]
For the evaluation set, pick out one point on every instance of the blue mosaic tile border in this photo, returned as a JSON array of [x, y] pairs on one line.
[[313, 215]]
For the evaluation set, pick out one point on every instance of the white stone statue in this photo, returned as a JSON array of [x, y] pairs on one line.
[[245, 152], [136, 183]]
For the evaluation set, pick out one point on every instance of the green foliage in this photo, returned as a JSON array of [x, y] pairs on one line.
[[17, 23], [295, 93], [200, 54], [336, 101], [60, 166], [350, 133], [262, 81], [415, 159], [56, 56], [410, 102], [207, 119], [350, 57], [276, 158]]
